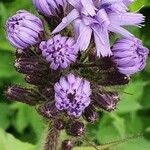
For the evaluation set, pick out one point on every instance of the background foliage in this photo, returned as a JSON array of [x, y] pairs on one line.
[[20, 125]]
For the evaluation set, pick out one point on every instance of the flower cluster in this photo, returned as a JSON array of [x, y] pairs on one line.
[[68, 71]]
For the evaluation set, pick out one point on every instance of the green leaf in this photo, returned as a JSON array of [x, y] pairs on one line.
[[6, 46], [8, 142], [6, 65], [4, 115], [111, 144], [134, 123], [21, 120], [119, 123], [106, 131], [138, 4], [35, 122], [139, 144], [129, 100], [128, 105]]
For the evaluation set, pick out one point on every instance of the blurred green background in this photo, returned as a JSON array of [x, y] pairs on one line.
[[20, 126]]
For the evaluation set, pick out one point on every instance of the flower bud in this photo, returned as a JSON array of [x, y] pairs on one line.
[[59, 124], [50, 7], [23, 95], [106, 100], [24, 29], [31, 66], [67, 145], [48, 110], [129, 56], [90, 114], [76, 129]]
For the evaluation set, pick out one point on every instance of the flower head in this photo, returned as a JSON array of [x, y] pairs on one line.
[[99, 18], [59, 51], [72, 94], [24, 29], [129, 55], [50, 7], [106, 100]]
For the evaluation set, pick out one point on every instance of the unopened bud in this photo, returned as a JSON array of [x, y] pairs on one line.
[[90, 114], [23, 95], [59, 124], [48, 110], [67, 145], [30, 66], [106, 100], [76, 129]]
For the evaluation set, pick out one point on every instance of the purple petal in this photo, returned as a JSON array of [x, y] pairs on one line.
[[126, 18], [121, 31], [74, 14], [127, 2], [84, 38], [89, 7], [75, 3], [102, 41], [14, 42]]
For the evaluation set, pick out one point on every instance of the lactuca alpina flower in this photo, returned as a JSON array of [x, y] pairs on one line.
[[50, 7], [99, 18], [24, 29], [129, 55], [72, 94], [59, 51]]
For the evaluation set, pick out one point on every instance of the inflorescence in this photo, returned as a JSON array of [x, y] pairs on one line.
[[67, 72]]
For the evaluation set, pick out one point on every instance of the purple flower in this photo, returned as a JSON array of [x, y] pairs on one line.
[[50, 7], [59, 51], [129, 55], [72, 94], [99, 18], [24, 29]]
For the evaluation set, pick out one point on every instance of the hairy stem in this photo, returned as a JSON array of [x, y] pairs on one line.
[[79, 65], [51, 141]]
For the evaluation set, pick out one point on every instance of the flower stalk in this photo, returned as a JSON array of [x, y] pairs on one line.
[[51, 141]]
